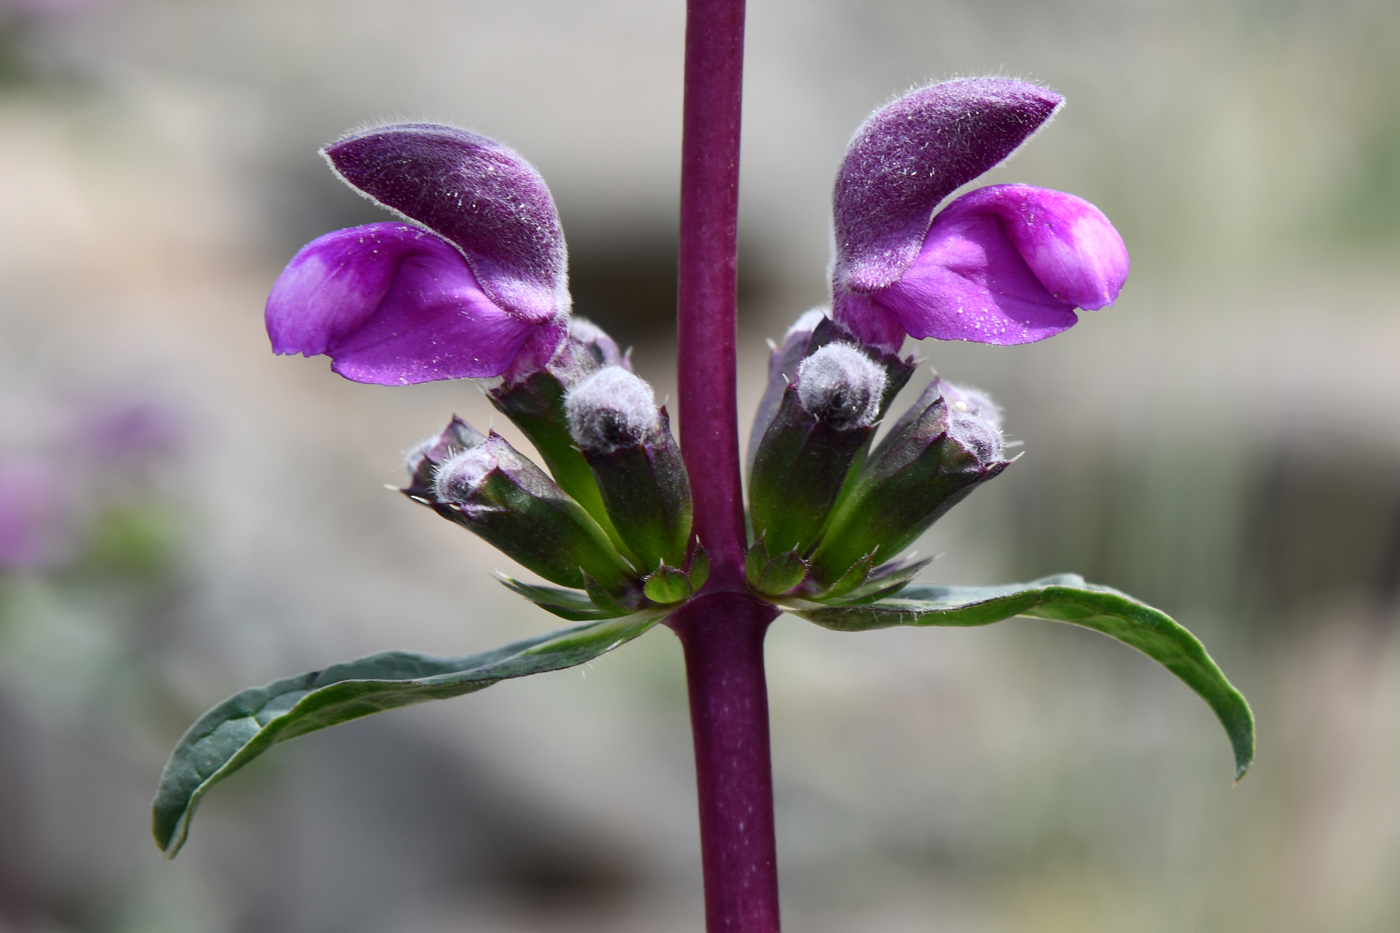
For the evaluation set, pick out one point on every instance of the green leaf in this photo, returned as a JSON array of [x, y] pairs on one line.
[[250, 722], [882, 582], [566, 604], [1062, 598]]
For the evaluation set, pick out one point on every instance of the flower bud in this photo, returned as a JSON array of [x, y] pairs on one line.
[[782, 367], [421, 462], [974, 421], [597, 344], [536, 405], [821, 430], [627, 443], [947, 445], [841, 386], [612, 408], [503, 497]]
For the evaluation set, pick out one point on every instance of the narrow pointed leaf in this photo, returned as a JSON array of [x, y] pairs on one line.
[[881, 583], [852, 580], [1062, 598], [250, 722], [573, 605]]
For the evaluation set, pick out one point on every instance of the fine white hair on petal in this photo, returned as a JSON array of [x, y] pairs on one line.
[[841, 385], [806, 323], [460, 475], [610, 409]]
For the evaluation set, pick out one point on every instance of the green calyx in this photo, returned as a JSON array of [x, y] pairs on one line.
[[535, 405], [646, 493], [806, 460], [916, 475], [506, 499]]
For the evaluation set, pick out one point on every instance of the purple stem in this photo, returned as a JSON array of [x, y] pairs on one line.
[[714, 68], [721, 631], [722, 635]]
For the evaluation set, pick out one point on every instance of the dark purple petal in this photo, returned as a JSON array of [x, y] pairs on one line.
[[474, 192], [392, 304], [912, 154]]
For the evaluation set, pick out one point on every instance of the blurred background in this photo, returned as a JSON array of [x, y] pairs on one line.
[[182, 514]]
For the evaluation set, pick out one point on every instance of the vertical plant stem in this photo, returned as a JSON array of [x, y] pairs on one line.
[[722, 635], [708, 284], [722, 630]]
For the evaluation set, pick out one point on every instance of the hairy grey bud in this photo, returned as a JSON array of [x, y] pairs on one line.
[[610, 409], [974, 421], [841, 386], [596, 340], [462, 474]]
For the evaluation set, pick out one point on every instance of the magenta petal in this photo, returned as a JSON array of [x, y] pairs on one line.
[[474, 192], [969, 282], [1066, 241], [912, 154], [392, 304]]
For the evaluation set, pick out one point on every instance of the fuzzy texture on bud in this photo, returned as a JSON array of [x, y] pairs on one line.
[[945, 446], [612, 408], [463, 473], [841, 386], [598, 343], [500, 495], [457, 436], [974, 421]]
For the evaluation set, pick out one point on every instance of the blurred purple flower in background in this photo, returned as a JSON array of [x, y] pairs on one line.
[[127, 432], [34, 516], [100, 456], [1005, 264], [475, 287]]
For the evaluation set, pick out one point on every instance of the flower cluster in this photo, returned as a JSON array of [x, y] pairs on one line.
[[472, 283]]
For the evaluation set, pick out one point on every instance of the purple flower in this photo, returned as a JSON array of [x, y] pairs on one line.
[[474, 287], [1005, 264]]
